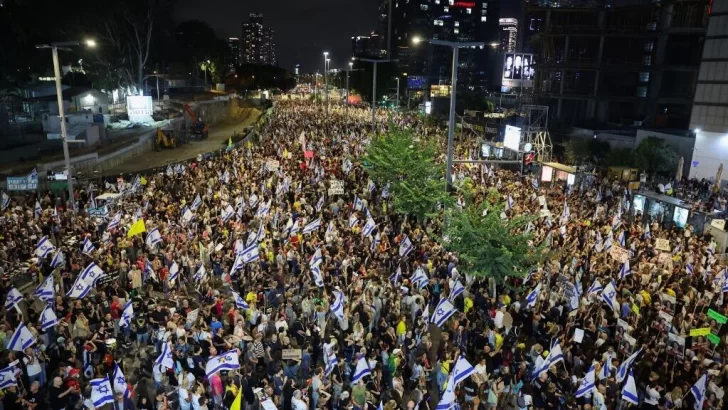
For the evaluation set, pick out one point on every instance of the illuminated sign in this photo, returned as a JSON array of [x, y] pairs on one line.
[[439, 91], [464, 4], [512, 138], [518, 70]]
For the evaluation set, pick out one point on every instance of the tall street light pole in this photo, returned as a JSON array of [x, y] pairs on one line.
[[351, 66], [374, 88], [61, 115], [397, 106], [326, 81], [456, 46]]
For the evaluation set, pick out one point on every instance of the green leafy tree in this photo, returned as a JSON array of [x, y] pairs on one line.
[[489, 246], [411, 168], [620, 157], [653, 155]]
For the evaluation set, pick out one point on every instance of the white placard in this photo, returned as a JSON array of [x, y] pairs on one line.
[[718, 223], [336, 187], [619, 254], [272, 165], [662, 244], [578, 335], [192, 316], [542, 200]]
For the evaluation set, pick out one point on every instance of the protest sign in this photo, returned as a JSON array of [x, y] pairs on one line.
[[336, 187], [662, 244]]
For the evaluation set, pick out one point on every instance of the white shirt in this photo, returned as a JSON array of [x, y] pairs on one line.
[[299, 404], [33, 368], [652, 396]]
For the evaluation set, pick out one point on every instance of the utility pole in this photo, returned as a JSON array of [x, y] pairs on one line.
[[374, 87]]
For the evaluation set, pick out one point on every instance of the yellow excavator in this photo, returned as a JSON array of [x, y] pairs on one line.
[[165, 139]]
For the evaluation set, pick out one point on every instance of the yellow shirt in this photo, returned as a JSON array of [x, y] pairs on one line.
[[401, 328], [468, 304], [498, 341]]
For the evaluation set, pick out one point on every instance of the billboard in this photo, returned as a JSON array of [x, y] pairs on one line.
[[518, 70], [22, 183], [416, 82], [140, 108], [512, 138]]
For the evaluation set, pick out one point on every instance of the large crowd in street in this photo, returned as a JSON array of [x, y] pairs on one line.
[[247, 279]]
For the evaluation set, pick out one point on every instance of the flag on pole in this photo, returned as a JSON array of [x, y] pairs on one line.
[[609, 295], [114, 222], [629, 391], [14, 297], [58, 260], [173, 272], [119, 382], [532, 297], [698, 391], [316, 259], [447, 401], [196, 203], [595, 288], [405, 247], [21, 339], [126, 315], [91, 274], [626, 365], [79, 290], [313, 226], [443, 311], [368, 227], [509, 203], [337, 308], [240, 303], [44, 247], [137, 227], [625, 270], [46, 291], [225, 361], [165, 358], [5, 201], [250, 254], [88, 246], [153, 237], [462, 370], [101, 392], [7, 377], [48, 318], [362, 370], [587, 383], [38, 210]]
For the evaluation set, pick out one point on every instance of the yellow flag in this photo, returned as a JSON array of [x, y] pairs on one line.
[[136, 228], [230, 141], [238, 401]]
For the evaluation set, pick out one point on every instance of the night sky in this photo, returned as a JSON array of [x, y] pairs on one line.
[[304, 28]]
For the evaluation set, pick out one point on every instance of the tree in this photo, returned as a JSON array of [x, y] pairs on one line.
[[410, 167], [489, 246], [620, 157], [653, 155]]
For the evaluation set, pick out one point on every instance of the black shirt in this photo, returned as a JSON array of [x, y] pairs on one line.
[[10, 401], [36, 398], [57, 402]]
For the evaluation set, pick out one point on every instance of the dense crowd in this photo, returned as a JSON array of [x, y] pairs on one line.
[[257, 282]]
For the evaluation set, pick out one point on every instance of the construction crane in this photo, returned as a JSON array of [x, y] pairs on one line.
[[198, 127]]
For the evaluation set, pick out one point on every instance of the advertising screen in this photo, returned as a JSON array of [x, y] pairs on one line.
[[416, 82], [518, 70], [512, 138]]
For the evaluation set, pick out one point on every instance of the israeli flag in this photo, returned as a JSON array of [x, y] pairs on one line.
[[153, 237], [443, 311], [337, 307], [165, 358], [362, 370], [237, 265], [509, 203], [91, 274], [119, 382], [227, 213], [318, 279], [170, 170], [320, 204], [253, 200], [447, 401], [200, 275], [368, 227], [264, 209], [114, 222], [375, 242], [599, 195], [532, 297], [173, 272], [371, 186], [698, 391], [88, 246], [316, 259], [353, 221], [605, 371], [7, 377], [419, 278], [79, 290], [44, 247], [629, 391], [38, 210], [396, 276], [596, 287], [462, 370], [647, 234], [625, 270], [48, 318], [555, 354], [608, 244], [240, 303], [621, 239], [250, 254], [225, 361], [187, 216], [294, 227], [565, 215], [46, 290], [385, 191], [5, 201], [126, 315], [626, 365], [21, 339], [261, 233], [405, 247], [456, 288], [196, 203], [14, 297], [616, 219], [534, 181], [101, 392], [313, 226], [689, 268], [609, 295], [332, 363], [137, 215], [346, 167], [358, 203], [587, 383]]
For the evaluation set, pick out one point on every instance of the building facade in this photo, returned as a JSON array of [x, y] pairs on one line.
[[233, 58], [257, 42], [602, 62], [709, 118], [508, 34], [370, 46]]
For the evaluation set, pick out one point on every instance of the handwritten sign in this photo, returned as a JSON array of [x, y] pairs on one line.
[[336, 187], [662, 244], [291, 354], [192, 316], [619, 254], [703, 331], [718, 223], [272, 165]]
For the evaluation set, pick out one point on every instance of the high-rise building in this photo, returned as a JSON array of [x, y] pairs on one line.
[[615, 61], [258, 42], [371, 46], [450, 20], [508, 34], [233, 58]]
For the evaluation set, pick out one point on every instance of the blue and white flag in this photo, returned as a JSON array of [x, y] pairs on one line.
[[362, 370], [346, 166], [294, 227], [173, 272], [48, 318], [33, 174], [331, 364], [689, 268], [320, 204], [605, 371], [532, 297], [462, 370], [609, 295], [698, 391], [629, 391], [91, 274], [88, 246], [127, 314], [21, 339], [534, 181], [153, 237], [237, 265], [337, 307], [621, 239], [456, 288], [509, 203], [555, 354], [46, 290], [368, 227], [608, 243], [647, 234], [385, 191], [599, 194], [226, 361], [7, 377], [353, 221], [443, 311], [44, 247], [79, 290], [447, 401], [5, 201], [200, 275], [405, 247], [312, 226], [316, 259], [227, 213], [587, 383], [419, 278], [396, 276], [318, 279], [196, 203], [101, 392], [371, 186], [625, 270], [626, 365], [38, 210], [250, 254], [240, 303], [14, 297], [565, 214], [263, 209], [596, 287], [115, 222], [358, 204], [253, 200], [165, 358], [119, 382], [187, 216]]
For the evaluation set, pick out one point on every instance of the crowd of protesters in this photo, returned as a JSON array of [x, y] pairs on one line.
[[255, 251]]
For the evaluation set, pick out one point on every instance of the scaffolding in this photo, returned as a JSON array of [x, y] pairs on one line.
[[536, 132]]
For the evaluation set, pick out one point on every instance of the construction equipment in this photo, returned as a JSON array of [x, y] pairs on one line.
[[165, 139], [198, 128]]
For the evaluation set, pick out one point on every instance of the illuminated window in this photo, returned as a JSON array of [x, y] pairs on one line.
[[485, 5], [483, 19], [438, 22], [456, 31], [424, 7], [484, 12], [437, 1], [446, 9], [457, 24], [452, 2], [468, 11]]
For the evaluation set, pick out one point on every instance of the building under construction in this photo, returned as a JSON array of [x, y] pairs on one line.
[[629, 62]]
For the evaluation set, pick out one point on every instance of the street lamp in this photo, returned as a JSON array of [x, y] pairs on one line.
[[456, 46], [397, 106], [59, 95], [351, 66], [374, 87], [326, 80]]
